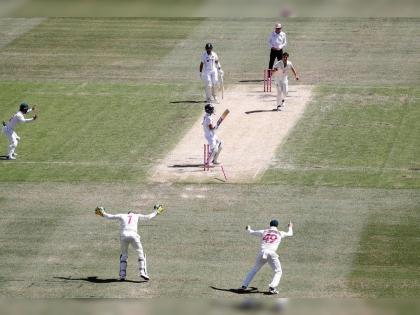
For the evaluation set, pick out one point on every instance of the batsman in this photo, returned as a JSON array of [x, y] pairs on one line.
[[129, 235], [210, 127]]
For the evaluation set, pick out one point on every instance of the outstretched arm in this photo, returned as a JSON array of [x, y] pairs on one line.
[[100, 211], [255, 233], [158, 209]]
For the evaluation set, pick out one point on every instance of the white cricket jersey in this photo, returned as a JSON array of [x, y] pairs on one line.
[[271, 238], [129, 221], [282, 70], [18, 118], [278, 41], [208, 133], [209, 61]]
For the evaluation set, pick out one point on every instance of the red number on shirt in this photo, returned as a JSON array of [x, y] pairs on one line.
[[270, 238], [129, 219]]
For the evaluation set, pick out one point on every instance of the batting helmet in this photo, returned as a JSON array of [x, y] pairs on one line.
[[209, 109], [209, 46], [274, 223], [24, 107]]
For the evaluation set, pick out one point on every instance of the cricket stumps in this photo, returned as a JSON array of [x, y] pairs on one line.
[[267, 80]]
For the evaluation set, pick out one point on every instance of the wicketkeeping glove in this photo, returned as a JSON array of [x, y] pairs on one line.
[[159, 208], [99, 211]]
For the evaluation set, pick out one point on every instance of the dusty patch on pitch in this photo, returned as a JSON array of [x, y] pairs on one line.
[[251, 135]]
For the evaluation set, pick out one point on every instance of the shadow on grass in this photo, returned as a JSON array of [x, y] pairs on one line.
[[187, 165], [95, 279], [261, 111], [250, 81], [188, 102], [250, 290], [3, 157]]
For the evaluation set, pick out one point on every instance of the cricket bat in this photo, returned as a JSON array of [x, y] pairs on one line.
[[225, 113]]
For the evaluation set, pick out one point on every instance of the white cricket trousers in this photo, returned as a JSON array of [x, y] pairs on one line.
[[216, 146], [13, 139], [273, 260], [211, 81], [134, 240], [282, 90]]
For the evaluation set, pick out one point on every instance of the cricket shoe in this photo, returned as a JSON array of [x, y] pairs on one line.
[[122, 278], [144, 275], [272, 291], [11, 157], [278, 108]]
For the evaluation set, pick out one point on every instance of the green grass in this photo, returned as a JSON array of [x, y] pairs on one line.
[[358, 136], [95, 132], [104, 88], [52, 241]]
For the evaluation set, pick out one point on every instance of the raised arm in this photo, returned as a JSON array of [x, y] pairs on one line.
[[100, 211], [157, 209], [255, 233], [289, 232]]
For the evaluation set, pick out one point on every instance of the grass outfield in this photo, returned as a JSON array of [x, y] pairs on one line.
[[347, 174]]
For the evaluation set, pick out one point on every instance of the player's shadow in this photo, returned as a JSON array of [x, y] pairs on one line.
[[3, 157], [261, 111], [186, 165], [95, 279], [251, 81], [188, 102], [250, 290]]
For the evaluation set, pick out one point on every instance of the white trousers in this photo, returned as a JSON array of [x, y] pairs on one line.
[[216, 146], [13, 138], [282, 90], [273, 260], [134, 240], [211, 82]]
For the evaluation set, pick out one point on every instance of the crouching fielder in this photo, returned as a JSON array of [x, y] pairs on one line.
[[270, 240], [129, 235], [210, 127], [9, 128], [280, 74]]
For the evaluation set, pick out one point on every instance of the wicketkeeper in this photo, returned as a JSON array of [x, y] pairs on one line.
[[270, 240], [129, 235], [212, 68], [8, 128], [210, 127]]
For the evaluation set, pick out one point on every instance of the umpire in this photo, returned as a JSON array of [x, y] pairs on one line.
[[277, 42]]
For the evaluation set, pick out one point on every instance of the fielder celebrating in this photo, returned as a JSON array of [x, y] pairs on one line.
[[280, 74], [270, 240], [9, 128], [129, 235], [212, 68], [210, 127]]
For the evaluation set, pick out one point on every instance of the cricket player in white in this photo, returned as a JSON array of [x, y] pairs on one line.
[[210, 127], [129, 235], [280, 74], [9, 128], [212, 68], [270, 240]]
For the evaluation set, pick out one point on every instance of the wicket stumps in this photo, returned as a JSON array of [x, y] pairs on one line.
[[206, 158], [267, 80]]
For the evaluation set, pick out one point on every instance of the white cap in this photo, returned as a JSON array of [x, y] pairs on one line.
[[278, 25]]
